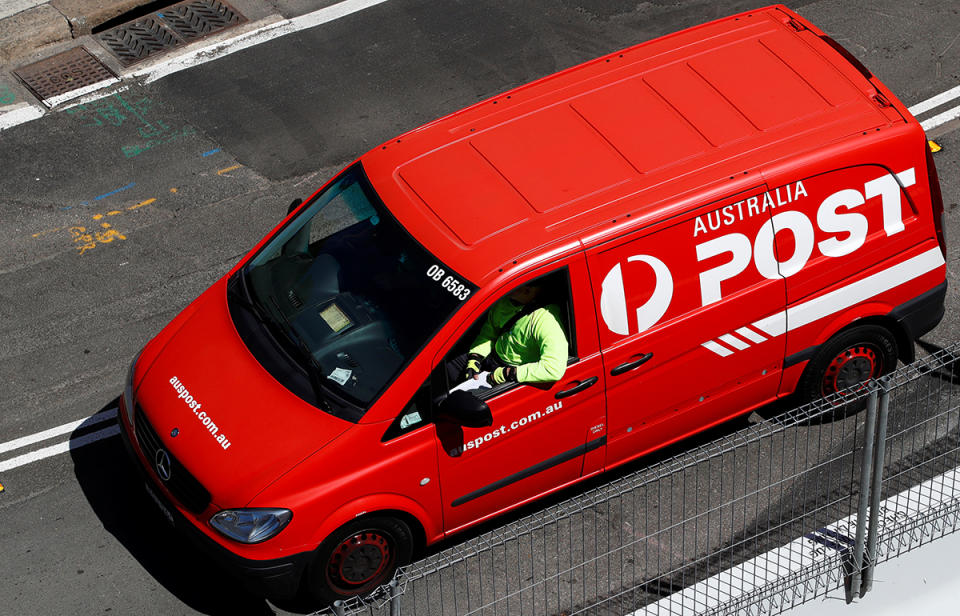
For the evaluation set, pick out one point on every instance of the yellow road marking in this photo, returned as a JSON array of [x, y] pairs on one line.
[[228, 169], [141, 204], [38, 234]]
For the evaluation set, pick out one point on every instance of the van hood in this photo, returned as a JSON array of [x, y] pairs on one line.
[[224, 418]]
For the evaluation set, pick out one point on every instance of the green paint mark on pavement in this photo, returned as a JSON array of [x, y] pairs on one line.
[[7, 96], [129, 113]]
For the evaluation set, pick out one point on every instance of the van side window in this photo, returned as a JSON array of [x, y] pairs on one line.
[[526, 336], [415, 414]]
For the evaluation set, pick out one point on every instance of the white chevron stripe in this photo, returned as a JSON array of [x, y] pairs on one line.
[[751, 335], [720, 350], [735, 342], [835, 301]]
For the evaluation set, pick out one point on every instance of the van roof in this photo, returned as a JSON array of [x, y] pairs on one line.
[[619, 136]]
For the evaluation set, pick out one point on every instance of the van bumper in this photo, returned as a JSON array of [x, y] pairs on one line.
[[922, 313], [277, 578]]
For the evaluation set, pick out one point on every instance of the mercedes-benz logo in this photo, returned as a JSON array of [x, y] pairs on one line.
[[162, 463]]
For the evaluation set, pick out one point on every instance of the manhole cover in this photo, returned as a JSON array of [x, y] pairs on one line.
[[169, 28], [62, 73]]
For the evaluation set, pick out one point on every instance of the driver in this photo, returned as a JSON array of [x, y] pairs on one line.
[[521, 341]]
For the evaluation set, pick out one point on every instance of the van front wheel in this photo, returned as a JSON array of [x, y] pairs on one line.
[[359, 557], [849, 359]]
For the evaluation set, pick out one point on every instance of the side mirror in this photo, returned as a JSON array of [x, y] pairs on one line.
[[465, 409], [296, 203]]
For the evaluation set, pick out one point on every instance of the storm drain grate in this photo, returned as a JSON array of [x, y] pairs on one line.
[[169, 28], [62, 73]]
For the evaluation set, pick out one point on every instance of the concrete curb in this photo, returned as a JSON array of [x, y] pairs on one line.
[[264, 21], [45, 28], [31, 32]]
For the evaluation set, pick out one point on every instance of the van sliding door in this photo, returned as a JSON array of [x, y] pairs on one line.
[[689, 314]]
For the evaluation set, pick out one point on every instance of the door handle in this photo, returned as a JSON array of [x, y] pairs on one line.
[[584, 384], [630, 365]]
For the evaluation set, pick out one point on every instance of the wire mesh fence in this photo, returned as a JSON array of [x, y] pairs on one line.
[[794, 505]]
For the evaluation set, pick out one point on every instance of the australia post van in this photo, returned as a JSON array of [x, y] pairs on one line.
[[723, 217]]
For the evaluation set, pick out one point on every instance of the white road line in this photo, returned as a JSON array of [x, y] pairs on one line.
[[941, 118], [54, 450], [755, 576], [64, 429], [20, 115], [53, 101], [219, 49], [935, 101]]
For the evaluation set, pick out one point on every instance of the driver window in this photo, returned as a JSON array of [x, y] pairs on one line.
[[525, 337]]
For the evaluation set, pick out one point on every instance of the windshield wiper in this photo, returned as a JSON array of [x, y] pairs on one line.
[[244, 297], [314, 371]]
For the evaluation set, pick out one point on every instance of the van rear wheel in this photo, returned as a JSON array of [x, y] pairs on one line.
[[850, 358], [359, 557]]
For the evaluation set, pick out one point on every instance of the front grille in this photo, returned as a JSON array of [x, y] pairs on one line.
[[184, 486]]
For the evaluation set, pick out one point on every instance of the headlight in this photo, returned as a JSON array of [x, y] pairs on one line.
[[250, 525], [128, 390]]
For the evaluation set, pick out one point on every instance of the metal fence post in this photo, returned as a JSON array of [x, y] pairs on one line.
[[394, 597], [866, 469], [876, 486]]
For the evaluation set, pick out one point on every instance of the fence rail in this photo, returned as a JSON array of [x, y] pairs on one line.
[[770, 516]]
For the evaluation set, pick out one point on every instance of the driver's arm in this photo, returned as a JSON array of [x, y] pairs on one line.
[[548, 332]]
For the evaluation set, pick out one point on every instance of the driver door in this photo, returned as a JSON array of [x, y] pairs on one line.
[[544, 436]]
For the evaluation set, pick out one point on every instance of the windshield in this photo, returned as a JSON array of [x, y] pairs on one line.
[[350, 295]]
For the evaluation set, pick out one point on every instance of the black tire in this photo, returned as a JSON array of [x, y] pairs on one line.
[[853, 356], [359, 557]]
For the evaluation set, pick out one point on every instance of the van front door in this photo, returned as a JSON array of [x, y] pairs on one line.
[[542, 434], [690, 323]]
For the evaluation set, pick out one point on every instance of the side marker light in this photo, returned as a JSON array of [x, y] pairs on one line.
[[934, 146], [1, 487]]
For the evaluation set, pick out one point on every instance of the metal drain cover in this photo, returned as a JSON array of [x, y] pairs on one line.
[[169, 28], [62, 73]]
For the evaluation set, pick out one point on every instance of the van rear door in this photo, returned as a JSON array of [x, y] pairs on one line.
[[685, 329]]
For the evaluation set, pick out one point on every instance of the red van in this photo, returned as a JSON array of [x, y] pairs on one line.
[[723, 216]]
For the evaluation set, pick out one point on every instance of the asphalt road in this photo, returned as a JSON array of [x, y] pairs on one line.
[[189, 171]]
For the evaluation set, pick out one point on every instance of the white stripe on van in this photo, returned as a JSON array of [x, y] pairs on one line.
[[774, 325], [835, 301], [751, 335], [720, 350], [735, 342], [863, 289]]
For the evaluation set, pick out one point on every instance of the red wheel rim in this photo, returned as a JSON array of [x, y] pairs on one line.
[[360, 561], [852, 367]]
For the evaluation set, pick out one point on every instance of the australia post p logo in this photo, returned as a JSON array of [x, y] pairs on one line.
[[778, 244], [613, 301]]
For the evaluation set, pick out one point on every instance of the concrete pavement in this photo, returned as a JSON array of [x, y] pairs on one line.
[[32, 29]]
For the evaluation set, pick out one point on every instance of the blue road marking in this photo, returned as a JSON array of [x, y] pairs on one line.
[[113, 192], [210, 152]]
